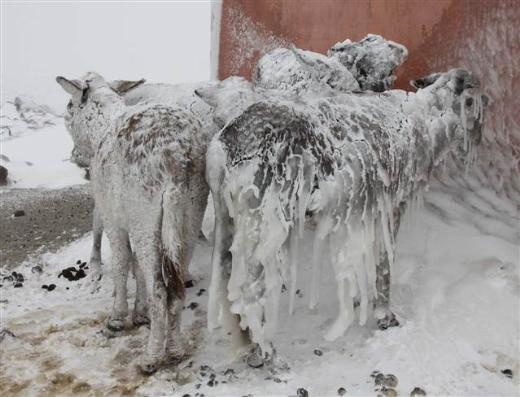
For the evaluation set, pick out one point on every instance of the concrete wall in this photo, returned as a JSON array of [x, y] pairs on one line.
[[481, 35]]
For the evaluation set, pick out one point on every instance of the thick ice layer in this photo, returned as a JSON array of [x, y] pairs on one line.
[[302, 72], [349, 66], [350, 161], [372, 61]]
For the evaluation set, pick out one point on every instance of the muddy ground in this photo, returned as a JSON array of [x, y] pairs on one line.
[[52, 218]]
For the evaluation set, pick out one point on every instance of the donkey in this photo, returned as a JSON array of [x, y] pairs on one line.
[[353, 162], [135, 92], [349, 66], [147, 172]]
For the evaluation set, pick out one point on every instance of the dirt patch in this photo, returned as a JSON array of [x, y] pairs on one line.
[[52, 219]]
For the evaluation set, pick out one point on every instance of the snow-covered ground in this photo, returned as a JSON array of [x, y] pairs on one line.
[[455, 290], [36, 147]]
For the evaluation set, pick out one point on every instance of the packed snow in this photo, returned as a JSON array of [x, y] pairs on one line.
[[455, 289]]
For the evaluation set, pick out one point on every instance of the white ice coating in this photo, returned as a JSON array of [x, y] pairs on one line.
[[351, 160], [150, 192], [349, 66]]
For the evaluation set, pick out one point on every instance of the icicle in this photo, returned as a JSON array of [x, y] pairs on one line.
[[322, 230], [316, 270], [346, 314], [293, 268]]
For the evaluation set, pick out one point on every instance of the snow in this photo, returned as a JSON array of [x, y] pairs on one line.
[[456, 292], [37, 153]]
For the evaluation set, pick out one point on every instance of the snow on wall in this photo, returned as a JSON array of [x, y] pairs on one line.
[[252, 39], [487, 42]]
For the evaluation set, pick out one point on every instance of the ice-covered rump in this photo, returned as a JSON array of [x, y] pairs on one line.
[[372, 61], [353, 161]]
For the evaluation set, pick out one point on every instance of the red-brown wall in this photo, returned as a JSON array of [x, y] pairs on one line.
[[480, 35]]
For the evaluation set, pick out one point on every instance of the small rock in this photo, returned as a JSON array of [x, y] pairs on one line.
[[18, 285], [507, 372], [301, 392], [390, 380], [201, 291], [45, 286], [186, 395], [277, 380], [379, 379], [6, 332], [8, 278], [197, 386], [51, 287], [417, 392], [37, 269], [341, 391], [193, 305], [389, 392], [78, 262], [318, 352], [284, 288], [19, 213], [18, 277], [374, 373], [3, 175], [211, 383], [229, 371]]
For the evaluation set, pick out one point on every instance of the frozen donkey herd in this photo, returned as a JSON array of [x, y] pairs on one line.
[[315, 142]]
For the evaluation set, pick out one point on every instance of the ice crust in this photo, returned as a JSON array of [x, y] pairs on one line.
[[350, 160], [349, 66]]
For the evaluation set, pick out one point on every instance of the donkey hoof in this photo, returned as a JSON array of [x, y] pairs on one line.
[[148, 366], [388, 321], [140, 319], [115, 324], [254, 359]]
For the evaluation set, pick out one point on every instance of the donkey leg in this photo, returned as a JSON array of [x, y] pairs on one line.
[[148, 255], [95, 254], [140, 314], [385, 317], [121, 259]]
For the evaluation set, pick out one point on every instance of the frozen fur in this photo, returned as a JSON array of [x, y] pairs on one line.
[[349, 66], [134, 93], [148, 183], [353, 162]]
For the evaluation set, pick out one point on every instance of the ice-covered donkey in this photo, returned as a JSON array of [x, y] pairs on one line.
[[369, 64], [353, 162], [136, 92], [148, 182]]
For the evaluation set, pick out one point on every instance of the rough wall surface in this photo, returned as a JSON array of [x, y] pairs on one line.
[[480, 35]]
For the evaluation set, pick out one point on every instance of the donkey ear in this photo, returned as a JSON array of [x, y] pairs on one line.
[[73, 87], [123, 86], [425, 81], [208, 94]]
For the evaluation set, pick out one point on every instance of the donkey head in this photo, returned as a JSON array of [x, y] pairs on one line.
[[457, 92], [229, 98], [372, 61], [81, 92]]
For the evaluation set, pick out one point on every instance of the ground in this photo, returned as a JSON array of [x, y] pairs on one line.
[[455, 287], [455, 291]]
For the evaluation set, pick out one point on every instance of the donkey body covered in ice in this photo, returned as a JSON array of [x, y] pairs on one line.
[[134, 93], [369, 64], [147, 170], [354, 162], [349, 66]]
